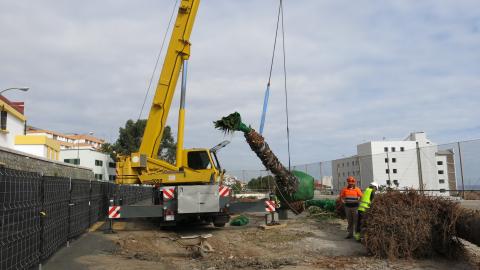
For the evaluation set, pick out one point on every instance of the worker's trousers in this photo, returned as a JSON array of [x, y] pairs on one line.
[[359, 221], [352, 215]]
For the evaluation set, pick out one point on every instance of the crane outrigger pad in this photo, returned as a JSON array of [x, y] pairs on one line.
[[140, 211], [247, 207]]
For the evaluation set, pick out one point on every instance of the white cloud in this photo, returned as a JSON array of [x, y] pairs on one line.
[[357, 70]]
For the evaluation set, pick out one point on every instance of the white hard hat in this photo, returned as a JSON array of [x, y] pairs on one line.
[[374, 184]]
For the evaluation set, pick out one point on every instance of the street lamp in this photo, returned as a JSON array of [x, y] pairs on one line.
[[24, 89]]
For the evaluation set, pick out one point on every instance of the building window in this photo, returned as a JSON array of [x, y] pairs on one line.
[[393, 149], [440, 171], [74, 161], [402, 149], [385, 149], [343, 164], [389, 183], [394, 170], [343, 173], [441, 181], [439, 162], [99, 176], [98, 162], [396, 183], [348, 163], [111, 164], [387, 171], [386, 160], [394, 160], [112, 177], [3, 124], [338, 175]]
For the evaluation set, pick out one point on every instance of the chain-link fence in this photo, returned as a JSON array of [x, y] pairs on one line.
[[39, 214], [447, 169]]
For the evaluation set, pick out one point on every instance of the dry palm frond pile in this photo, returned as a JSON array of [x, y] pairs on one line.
[[411, 225]]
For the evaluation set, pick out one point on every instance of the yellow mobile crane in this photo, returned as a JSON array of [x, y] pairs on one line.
[[190, 188]]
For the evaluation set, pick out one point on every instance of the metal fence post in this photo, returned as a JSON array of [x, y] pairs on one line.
[[42, 221], [69, 210], [90, 204], [461, 169], [321, 175]]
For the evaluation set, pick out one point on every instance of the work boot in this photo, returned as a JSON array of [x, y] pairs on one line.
[[357, 236]]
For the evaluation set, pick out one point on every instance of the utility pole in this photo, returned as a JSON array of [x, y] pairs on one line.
[[420, 175], [321, 175], [461, 169], [388, 168]]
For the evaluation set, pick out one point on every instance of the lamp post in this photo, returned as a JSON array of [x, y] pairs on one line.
[[24, 89]]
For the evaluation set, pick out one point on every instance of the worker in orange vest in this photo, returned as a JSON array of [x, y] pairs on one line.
[[350, 197]]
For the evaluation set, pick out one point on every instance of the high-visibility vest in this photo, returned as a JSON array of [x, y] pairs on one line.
[[365, 200], [351, 195]]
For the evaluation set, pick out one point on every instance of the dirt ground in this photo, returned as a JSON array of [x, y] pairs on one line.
[[305, 243]]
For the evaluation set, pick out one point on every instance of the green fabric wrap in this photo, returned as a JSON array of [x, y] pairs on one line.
[[305, 189], [239, 221], [325, 204]]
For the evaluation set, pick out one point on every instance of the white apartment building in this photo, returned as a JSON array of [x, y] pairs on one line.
[[12, 132], [101, 164], [12, 122], [411, 163], [68, 141], [79, 149]]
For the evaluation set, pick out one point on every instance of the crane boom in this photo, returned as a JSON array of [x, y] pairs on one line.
[[178, 50], [193, 166]]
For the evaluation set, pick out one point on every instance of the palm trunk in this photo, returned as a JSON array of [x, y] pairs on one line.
[[286, 182]]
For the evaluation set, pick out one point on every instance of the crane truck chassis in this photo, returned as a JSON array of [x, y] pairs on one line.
[[191, 189]]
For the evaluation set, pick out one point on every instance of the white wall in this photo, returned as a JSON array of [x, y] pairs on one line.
[[37, 150], [342, 168], [442, 166], [15, 127], [401, 165], [87, 159]]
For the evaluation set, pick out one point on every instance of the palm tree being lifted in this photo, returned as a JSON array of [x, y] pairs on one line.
[[287, 183]]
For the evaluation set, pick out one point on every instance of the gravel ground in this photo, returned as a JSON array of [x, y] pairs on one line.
[[305, 243]]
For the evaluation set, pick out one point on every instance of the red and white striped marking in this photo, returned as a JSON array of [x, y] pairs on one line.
[[270, 206], [168, 193], [223, 191], [114, 211]]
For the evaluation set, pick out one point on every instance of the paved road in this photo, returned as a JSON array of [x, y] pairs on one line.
[[471, 204], [89, 243]]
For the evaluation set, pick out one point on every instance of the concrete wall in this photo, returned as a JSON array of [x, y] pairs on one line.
[[25, 162]]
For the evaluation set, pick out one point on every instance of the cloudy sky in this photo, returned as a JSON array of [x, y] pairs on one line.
[[357, 70]]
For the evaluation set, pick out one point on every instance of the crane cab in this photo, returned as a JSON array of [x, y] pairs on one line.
[[198, 166]]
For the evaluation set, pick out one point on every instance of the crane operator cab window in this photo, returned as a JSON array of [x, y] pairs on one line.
[[199, 160]]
